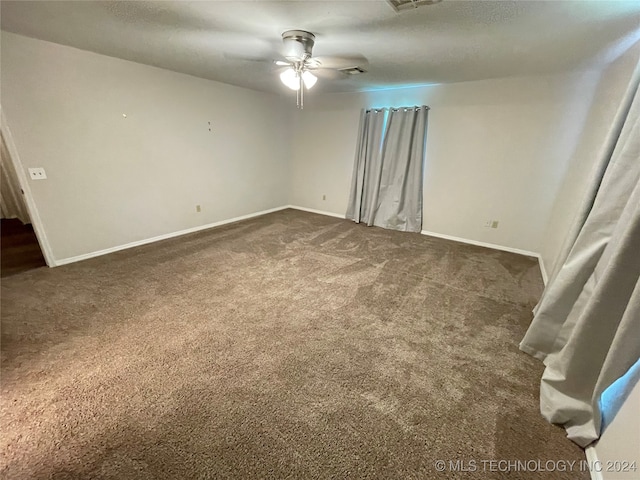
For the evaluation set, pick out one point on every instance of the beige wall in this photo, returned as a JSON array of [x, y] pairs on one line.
[[114, 180], [496, 150]]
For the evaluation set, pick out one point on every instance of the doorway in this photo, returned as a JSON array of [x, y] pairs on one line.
[[19, 247]]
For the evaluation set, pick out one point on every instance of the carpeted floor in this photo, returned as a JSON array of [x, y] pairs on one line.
[[291, 345]]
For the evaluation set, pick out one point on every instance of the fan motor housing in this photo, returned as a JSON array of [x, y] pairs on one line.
[[298, 44]]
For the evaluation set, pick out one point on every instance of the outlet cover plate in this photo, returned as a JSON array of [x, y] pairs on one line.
[[37, 174]]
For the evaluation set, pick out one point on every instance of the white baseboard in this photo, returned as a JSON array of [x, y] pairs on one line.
[[543, 270], [592, 458], [165, 236], [481, 244], [319, 212]]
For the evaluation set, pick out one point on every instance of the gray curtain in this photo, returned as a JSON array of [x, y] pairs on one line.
[[11, 200], [386, 187], [586, 327]]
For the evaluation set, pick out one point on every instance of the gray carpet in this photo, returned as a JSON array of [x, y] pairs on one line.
[[291, 345]]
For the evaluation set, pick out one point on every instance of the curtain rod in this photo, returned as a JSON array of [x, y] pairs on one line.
[[396, 109]]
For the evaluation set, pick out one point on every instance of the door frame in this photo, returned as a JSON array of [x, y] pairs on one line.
[[32, 208]]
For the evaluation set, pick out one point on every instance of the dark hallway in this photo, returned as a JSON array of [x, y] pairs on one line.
[[19, 248]]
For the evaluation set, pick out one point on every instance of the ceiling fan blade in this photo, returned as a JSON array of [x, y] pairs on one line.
[[268, 60], [329, 73], [341, 62], [246, 58]]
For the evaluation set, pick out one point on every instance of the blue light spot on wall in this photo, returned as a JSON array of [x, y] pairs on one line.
[[614, 396], [398, 96], [399, 87]]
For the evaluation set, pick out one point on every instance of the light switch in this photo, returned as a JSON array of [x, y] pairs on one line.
[[37, 174]]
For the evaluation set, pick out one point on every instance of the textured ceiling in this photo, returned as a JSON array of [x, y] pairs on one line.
[[451, 41]]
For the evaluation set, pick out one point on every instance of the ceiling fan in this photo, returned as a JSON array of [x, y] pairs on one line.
[[302, 69]]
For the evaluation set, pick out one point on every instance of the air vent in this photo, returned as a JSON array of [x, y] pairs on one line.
[[352, 70], [401, 5]]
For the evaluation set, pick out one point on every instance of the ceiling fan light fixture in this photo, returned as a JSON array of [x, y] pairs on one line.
[[298, 56], [309, 79], [290, 78]]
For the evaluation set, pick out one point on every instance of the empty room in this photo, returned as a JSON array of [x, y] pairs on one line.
[[394, 239]]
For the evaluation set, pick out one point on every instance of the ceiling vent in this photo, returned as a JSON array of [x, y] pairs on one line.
[[401, 5], [352, 70]]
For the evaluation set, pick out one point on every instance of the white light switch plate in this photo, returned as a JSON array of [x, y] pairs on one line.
[[37, 174]]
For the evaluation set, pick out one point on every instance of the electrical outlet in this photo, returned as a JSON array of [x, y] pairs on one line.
[[198, 209], [491, 224], [324, 197], [37, 174]]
